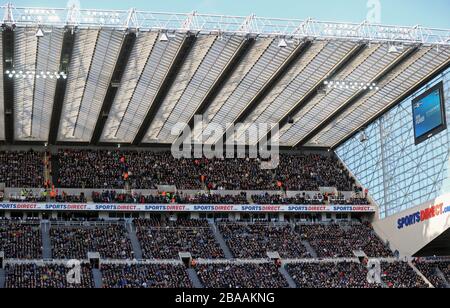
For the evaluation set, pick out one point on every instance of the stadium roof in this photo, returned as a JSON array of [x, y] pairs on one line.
[[127, 77]]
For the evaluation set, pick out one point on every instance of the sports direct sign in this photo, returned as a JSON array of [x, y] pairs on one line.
[[100, 207], [423, 215]]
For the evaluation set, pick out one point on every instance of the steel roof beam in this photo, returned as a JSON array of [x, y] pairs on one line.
[[61, 84], [8, 83]]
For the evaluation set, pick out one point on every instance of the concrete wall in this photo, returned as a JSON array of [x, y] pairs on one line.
[[414, 233]]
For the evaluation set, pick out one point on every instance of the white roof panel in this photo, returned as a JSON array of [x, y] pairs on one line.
[[181, 91], [80, 125], [83, 52], [212, 66], [157, 67], [139, 56], [25, 50]]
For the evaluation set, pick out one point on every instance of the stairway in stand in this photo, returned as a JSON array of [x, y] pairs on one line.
[[2, 279], [194, 278], [98, 279], [46, 241]]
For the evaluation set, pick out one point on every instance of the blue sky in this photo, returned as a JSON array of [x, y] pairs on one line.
[[431, 13]]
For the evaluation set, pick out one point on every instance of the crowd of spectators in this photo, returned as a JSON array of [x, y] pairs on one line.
[[256, 240], [303, 199], [308, 172], [305, 275], [401, 275], [74, 242], [335, 240], [431, 268], [147, 170], [254, 276], [145, 276], [21, 239], [213, 199], [166, 239], [111, 196], [329, 275], [66, 198], [353, 275], [32, 276], [445, 269], [21, 169], [355, 199]]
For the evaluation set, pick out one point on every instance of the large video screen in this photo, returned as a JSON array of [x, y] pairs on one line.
[[429, 114]]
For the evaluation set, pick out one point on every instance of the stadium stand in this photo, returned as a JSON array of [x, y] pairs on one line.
[[255, 240], [111, 196], [103, 169], [315, 171], [299, 199], [241, 276], [437, 272], [353, 275], [334, 240], [88, 166], [330, 275], [74, 240], [19, 169], [27, 196], [21, 239], [401, 275], [65, 198], [166, 239], [145, 276], [213, 199], [162, 240], [32, 276]]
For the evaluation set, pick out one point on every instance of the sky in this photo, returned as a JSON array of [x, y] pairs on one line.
[[429, 13]]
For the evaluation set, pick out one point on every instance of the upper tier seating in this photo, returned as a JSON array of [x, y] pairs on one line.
[[146, 170]]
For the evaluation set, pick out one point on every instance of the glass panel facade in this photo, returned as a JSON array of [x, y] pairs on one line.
[[399, 174]]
